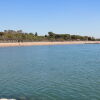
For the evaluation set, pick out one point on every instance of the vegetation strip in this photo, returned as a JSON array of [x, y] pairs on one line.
[[20, 36]]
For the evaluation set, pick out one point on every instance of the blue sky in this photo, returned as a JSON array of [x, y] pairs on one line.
[[60, 16]]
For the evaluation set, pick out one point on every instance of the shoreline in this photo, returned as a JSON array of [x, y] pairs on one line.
[[47, 43]]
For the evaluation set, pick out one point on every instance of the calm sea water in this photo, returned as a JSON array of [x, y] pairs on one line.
[[63, 72]]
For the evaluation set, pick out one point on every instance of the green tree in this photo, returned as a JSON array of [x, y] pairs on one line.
[[36, 34]]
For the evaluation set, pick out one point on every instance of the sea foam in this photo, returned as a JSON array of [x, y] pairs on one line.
[[7, 99]]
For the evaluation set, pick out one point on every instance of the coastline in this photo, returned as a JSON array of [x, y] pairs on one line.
[[46, 43]]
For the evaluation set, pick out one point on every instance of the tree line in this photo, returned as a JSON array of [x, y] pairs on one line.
[[20, 36]]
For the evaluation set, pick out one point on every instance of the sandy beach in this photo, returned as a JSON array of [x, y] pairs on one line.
[[47, 43]]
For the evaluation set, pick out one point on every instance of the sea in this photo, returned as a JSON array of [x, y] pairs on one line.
[[57, 72]]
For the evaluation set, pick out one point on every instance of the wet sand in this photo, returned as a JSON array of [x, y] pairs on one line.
[[47, 43]]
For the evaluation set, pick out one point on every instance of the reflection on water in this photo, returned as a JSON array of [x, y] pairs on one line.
[[64, 72]]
